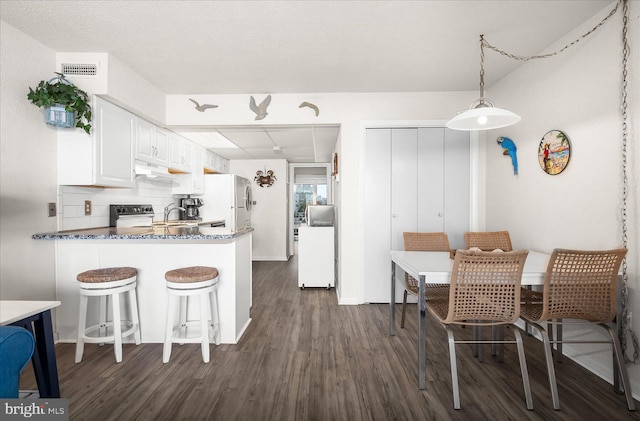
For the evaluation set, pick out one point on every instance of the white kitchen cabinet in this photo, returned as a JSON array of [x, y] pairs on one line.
[[152, 143], [104, 158], [210, 162], [193, 182], [223, 165], [180, 153], [416, 179], [145, 141], [162, 146], [214, 163]]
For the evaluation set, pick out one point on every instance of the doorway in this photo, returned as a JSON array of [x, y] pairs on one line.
[[309, 184]]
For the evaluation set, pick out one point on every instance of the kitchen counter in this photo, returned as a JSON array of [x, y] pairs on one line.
[[153, 251], [176, 232]]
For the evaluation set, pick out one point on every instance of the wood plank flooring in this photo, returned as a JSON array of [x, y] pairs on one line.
[[305, 358]]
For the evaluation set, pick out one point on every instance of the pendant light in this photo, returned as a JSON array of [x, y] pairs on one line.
[[482, 115]]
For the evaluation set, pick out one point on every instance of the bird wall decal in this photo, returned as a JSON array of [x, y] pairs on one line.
[[260, 110], [509, 149], [312, 106], [202, 107]]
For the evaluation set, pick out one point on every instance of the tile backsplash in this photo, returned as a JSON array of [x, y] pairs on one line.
[[71, 201]]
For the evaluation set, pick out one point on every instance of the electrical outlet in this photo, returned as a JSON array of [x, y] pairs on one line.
[[52, 208], [87, 207]]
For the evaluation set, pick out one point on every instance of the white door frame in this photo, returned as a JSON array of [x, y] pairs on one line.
[[292, 178]]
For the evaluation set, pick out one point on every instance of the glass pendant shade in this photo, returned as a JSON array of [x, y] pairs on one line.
[[483, 117]]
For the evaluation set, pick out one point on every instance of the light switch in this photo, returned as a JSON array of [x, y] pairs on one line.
[[52, 208]]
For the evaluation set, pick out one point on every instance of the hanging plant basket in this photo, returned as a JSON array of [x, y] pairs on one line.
[[58, 116], [64, 104]]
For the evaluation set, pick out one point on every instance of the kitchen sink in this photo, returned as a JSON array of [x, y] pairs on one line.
[[176, 223]]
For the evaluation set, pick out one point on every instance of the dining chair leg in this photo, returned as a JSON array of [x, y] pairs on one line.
[[501, 330], [548, 357], [624, 375], [523, 369], [477, 347], [494, 337], [404, 308], [559, 340], [454, 369]]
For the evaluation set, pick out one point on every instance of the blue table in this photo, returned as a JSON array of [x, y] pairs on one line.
[[35, 316]]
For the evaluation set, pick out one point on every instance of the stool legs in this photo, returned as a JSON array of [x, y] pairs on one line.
[[215, 321], [82, 325], [135, 316], [168, 334], [105, 292], [117, 327], [177, 301], [204, 326]]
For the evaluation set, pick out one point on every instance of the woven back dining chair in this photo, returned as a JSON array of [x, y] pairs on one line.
[[580, 285], [423, 241], [484, 291], [488, 240]]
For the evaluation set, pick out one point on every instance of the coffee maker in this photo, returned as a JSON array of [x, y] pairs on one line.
[[190, 206]]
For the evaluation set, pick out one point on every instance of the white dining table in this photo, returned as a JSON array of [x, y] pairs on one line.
[[431, 267]]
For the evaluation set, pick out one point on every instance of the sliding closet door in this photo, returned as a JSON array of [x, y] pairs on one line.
[[416, 179], [404, 189], [457, 195], [377, 215], [430, 184]]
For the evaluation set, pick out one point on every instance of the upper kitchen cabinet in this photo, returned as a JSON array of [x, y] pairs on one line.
[[193, 182], [104, 158], [152, 144], [180, 153], [214, 163]]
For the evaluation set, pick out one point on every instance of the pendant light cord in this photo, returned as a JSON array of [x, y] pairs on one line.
[[624, 329], [485, 43]]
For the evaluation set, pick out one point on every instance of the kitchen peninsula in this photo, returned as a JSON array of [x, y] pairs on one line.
[[154, 251]]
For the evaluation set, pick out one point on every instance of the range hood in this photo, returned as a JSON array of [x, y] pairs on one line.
[[152, 172]]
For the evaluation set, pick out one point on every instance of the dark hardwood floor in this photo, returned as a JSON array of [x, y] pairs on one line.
[[304, 357]]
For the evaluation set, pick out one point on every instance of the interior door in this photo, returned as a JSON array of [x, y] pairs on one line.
[[457, 167], [404, 179], [377, 215], [430, 188]]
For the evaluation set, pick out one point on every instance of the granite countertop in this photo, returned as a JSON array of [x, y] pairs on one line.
[[194, 232]]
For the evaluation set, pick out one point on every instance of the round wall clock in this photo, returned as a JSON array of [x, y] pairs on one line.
[[554, 152]]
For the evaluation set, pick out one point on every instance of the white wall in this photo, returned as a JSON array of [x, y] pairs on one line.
[[71, 202], [577, 92], [349, 110], [119, 83], [27, 170], [269, 214]]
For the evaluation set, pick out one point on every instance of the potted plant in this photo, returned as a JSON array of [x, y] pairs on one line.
[[64, 103]]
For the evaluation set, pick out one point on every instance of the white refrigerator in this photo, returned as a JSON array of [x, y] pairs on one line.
[[228, 197]]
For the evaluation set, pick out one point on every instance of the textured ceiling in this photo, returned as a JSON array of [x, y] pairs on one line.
[[251, 47]]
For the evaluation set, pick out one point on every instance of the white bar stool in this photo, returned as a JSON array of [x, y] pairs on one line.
[[104, 283], [199, 281]]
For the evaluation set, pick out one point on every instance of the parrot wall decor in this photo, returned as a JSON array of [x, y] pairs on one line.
[[509, 149]]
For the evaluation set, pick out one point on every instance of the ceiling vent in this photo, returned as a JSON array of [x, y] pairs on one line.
[[76, 69]]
